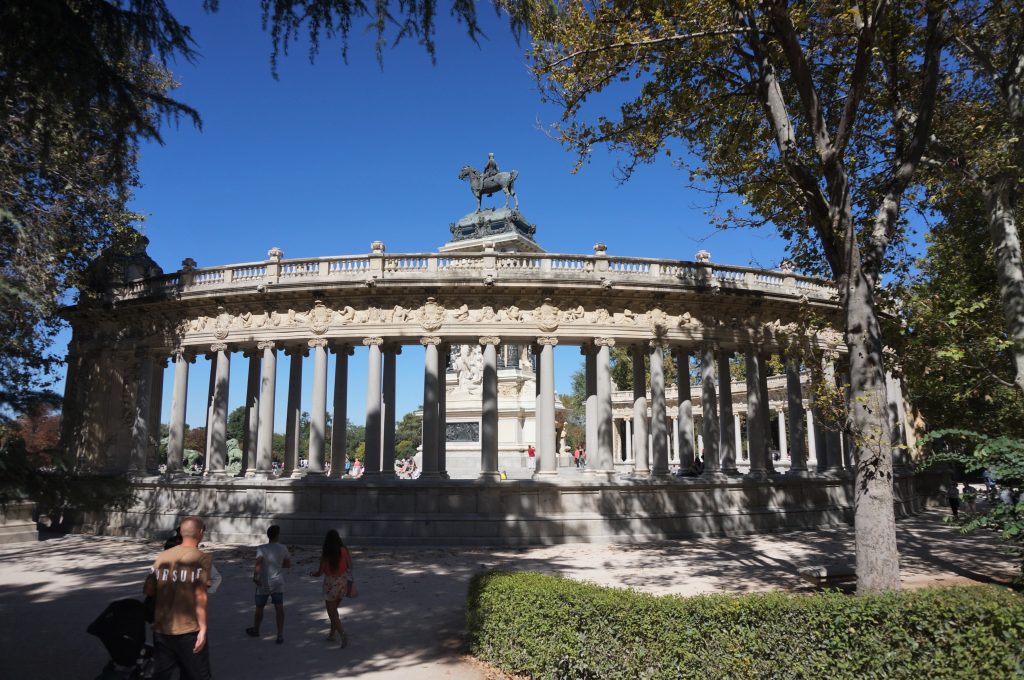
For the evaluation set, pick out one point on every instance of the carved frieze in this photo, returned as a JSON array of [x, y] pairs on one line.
[[431, 315], [320, 318], [546, 316]]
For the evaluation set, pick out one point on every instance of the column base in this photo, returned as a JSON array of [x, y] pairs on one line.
[[260, 474], [713, 476], [732, 472], [802, 474], [602, 475], [489, 477], [315, 473], [757, 475], [435, 476], [545, 475]]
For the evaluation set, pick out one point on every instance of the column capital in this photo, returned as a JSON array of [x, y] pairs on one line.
[[490, 340], [318, 342], [219, 347], [681, 350], [657, 343], [266, 344], [547, 340], [296, 350], [392, 348], [430, 340], [179, 353], [377, 341], [604, 342], [342, 348]]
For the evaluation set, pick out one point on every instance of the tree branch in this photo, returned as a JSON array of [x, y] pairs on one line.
[[679, 37]]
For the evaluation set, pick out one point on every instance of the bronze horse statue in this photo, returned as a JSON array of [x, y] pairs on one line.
[[502, 181]]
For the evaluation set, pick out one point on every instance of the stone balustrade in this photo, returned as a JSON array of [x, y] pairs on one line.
[[489, 267]]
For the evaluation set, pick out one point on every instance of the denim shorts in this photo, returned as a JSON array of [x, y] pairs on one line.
[[276, 598]]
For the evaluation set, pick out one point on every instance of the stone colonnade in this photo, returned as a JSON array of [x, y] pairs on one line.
[[645, 443]]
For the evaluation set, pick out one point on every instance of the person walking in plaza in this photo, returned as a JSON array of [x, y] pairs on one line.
[[953, 494], [178, 581], [335, 564], [272, 559]]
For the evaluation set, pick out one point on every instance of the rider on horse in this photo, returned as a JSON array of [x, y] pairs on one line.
[[491, 167]]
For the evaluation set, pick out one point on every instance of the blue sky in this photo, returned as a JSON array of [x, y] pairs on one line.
[[331, 157]]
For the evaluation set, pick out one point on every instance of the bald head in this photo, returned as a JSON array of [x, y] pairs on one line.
[[191, 530]]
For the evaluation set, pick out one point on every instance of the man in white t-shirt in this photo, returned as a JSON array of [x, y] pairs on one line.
[[271, 560]]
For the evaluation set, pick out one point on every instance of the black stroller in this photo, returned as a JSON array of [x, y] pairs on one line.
[[122, 630]]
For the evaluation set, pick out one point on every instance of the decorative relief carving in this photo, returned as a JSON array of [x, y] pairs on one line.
[[318, 342], [490, 340], [320, 318], [430, 340], [546, 316], [222, 324], [469, 368], [575, 314], [604, 342], [431, 315], [218, 347], [376, 341], [547, 340]]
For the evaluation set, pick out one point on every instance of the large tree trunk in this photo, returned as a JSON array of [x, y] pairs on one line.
[[1002, 222], [878, 567]]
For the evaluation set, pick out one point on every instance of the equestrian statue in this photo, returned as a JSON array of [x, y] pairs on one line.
[[491, 181]]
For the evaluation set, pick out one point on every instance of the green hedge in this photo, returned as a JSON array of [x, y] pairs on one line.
[[550, 627]]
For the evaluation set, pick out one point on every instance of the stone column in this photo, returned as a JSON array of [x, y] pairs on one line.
[[833, 446], [156, 401], [684, 422], [268, 389], [318, 409], [641, 461], [727, 449], [628, 422], [756, 427], [387, 461], [251, 428], [813, 461], [547, 453], [659, 413], [140, 425], [293, 413], [709, 416], [339, 432], [604, 466], [783, 443], [797, 451], [374, 397], [489, 411], [211, 388], [589, 353], [442, 410], [738, 434], [766, 414], [217, 457], [176, 431], [431, 386], [894, 405]]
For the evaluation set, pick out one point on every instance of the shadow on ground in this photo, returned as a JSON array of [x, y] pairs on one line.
[[408, 621]]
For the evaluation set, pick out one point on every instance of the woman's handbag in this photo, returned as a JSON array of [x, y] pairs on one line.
[[350, 589]]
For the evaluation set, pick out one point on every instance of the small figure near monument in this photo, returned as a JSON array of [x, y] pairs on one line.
[[491, 181]]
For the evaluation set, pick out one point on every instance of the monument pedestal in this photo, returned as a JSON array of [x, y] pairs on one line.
[[506, 228]]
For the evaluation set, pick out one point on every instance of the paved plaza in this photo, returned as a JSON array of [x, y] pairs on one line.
[[408, 621]]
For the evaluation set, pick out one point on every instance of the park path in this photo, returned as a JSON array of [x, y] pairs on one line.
[[408, 621]]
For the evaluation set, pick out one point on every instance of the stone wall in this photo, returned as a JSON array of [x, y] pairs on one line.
[[506, 513]]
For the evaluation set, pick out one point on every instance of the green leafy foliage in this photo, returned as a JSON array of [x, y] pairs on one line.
[[545, 626], [951, 336], [1003, 457]]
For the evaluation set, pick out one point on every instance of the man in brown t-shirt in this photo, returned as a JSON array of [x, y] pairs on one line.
[[179, 579]]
